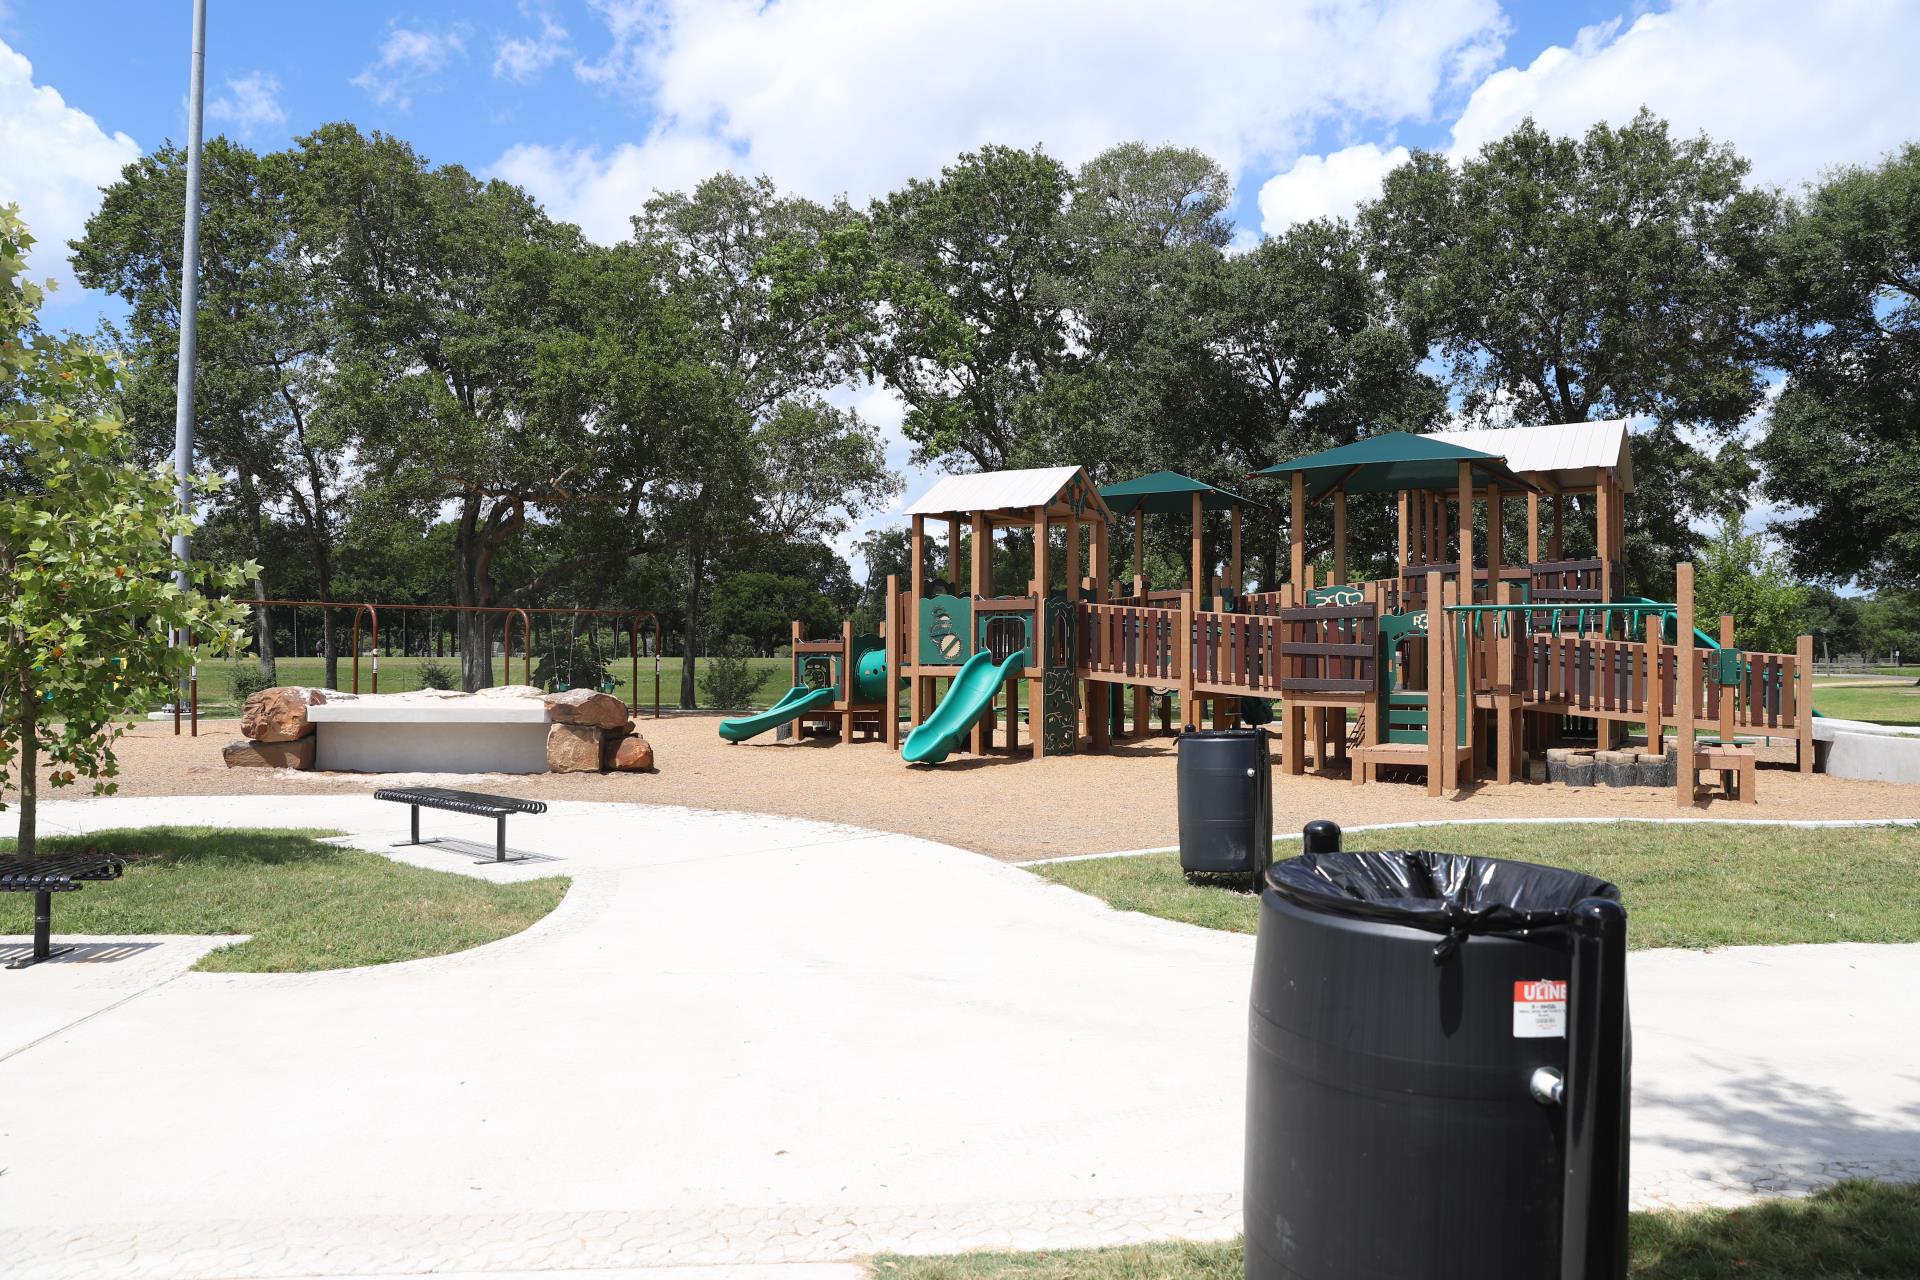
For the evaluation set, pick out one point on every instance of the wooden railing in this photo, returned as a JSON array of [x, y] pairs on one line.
[[1330, 650], [1573, 581], [1239, 651], [1588, 674], [1131, 641]]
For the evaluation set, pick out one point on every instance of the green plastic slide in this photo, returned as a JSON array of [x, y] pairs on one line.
[[967, 700], [794, 703]]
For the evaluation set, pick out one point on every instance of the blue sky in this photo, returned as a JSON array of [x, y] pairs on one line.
[[592, 104]]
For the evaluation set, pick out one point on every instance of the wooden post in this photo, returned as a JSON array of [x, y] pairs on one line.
[[1140, 550], [1506, 702], [1683, 678], [981, 738], [1297, 531], [1197, 568], [1803, 703], [1450, 704], [896, 659], [1533, 527], [1400, 545], [1037, 660], [1496, 537], [1235, 578], [1559, 545], [1656, 731], [1603, 531], [846, 682], [1726, 691], [917, 577], [1436, 682], [1100, 694], [1340, 537], [1183, 656], [1466, 536], [1072, 584]]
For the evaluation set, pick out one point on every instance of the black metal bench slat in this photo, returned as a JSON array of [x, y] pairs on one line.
[[479, 804], [45, 876]]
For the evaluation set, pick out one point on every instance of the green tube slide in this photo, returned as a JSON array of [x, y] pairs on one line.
[[793, 704], [969, 697]]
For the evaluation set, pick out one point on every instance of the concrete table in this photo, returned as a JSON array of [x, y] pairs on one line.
[[505, 735]]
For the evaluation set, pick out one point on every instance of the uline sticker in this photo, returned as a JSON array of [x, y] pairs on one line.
[[1539, 1009]]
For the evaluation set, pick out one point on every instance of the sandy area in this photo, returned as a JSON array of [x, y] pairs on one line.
[[1007, 808]]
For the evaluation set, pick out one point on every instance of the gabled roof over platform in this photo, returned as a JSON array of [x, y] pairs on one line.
[[1569, 454], [1168, 493], [1396, 460], [1011, 492]]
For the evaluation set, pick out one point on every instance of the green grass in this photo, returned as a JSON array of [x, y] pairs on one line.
[[1882, 703], [402, 675], [1854, 1231], [1694, 885], [306, 904]]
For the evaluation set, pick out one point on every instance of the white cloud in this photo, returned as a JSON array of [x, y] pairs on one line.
[[1325, 186], [522, 58], [408, 61], [855, 96], [250, 102], [600, 190], [53, 161], [1796, 88]]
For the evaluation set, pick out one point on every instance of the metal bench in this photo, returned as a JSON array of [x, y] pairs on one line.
[[45, 876], [477, 803]]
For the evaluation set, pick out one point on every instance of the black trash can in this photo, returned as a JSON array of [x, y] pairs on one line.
[[1438, 1070], [1226, 803]]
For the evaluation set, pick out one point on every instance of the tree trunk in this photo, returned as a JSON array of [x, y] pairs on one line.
[[476, 655], [262, 623], [28, 837], [690, 633]]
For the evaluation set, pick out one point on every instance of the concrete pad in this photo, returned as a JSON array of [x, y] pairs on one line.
[[749, 1041], [1864, 749], [97, 975]]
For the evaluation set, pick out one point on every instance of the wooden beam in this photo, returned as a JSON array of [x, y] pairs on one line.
[[1198, 570], [1100, 696], [1140, 544], [896, 660], [1603, 531], [917, 579], [1036, 688], [1436, 682], [1683, 683], [1235, 569], [1400, 546], [1533, 528], [1340, 537], [1466, 535], [1297, 531], [981, 585], [1803, 703], [1656, 729], [1072, 583], [1496, 539], [1726, 691]]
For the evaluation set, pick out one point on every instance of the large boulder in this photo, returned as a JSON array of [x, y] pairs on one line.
[[587, 707], [242, 754], [279, 714], [574, 748], [633, 754]]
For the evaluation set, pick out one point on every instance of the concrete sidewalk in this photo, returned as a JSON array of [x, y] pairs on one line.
[[744, 1040]]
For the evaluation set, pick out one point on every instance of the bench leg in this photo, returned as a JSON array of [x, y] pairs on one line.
[[42, 933], [500, 838]]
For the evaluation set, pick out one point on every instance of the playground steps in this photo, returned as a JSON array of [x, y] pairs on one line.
[[1367, 760], [1737, 766]]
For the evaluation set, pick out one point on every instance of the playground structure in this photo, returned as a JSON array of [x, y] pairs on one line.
[[1460, 663]]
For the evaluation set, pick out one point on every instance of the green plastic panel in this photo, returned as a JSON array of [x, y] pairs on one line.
[[946, 631]]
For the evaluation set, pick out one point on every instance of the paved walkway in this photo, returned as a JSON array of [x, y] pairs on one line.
[[754, 1040]]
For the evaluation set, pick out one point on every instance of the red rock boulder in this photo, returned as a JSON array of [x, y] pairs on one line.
[[586, 707], [633, 754], [574, 748], [279, 714], [242, 754]]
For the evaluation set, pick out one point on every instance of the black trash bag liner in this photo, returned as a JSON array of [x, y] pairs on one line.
[[1455, 894]]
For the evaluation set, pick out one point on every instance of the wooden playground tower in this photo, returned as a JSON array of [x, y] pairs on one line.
[[1460, 662]]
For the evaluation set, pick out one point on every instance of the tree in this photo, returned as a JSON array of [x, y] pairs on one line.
[[1744, 574], [1842, 444], [776, 463], [266, 342], [968, 269], [1618, 275], [446, 287], [1834, 621], [87, 596]]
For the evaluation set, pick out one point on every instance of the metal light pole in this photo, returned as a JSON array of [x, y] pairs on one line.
[[189, 300]]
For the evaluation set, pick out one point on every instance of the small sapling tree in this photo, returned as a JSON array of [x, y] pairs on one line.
[[87, 596]]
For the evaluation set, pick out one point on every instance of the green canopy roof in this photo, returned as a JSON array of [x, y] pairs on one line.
[[1394, 461], [1168, 493]]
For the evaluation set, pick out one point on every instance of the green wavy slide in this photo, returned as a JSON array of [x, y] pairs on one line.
[[968, 698], [794, 703]]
